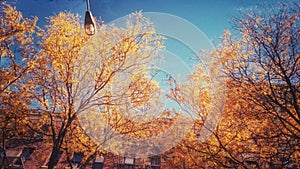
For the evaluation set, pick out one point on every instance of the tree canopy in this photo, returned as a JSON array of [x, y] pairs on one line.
[[55, 79]]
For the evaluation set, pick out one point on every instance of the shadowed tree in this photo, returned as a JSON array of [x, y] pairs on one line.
[[74, 74], [260, 125], [16, 54], [265, 65]]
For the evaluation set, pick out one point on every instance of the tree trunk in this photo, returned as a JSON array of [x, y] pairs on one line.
[[4, 147], [54, 154], [85, 163], [58, 142]]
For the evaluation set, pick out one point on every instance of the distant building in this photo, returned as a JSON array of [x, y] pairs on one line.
[[34, 154]]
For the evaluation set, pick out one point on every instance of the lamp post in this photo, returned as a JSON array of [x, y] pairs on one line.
[[89, 23]]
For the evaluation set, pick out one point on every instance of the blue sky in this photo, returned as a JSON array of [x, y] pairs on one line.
[[211, 16]]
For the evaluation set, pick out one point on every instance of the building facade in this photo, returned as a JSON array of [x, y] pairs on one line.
[[34, 154]]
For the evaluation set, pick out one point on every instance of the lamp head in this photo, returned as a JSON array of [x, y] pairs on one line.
[[89, 24]]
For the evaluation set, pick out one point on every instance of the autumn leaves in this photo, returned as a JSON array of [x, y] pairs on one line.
[[85, 90]]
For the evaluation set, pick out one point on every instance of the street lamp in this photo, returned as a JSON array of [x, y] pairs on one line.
[[89, 23]]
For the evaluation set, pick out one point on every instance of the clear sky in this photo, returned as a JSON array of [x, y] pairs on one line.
[[210, 16]]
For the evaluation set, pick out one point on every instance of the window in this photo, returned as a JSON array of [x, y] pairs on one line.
[[1, 153], [129, 166], [77, 159], [25, 155], [58, 157], [13, 158], [129, 160], [155, 162], [98, 163], [126, 166], [27, 152], [128, 163], [56, 161]]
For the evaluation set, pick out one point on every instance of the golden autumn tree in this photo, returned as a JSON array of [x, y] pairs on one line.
[[232, 143], [260, 122], [75, 74], [264, 64], [16, 54], [202, 97]]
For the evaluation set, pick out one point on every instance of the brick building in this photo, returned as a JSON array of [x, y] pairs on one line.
[[33, 154]]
